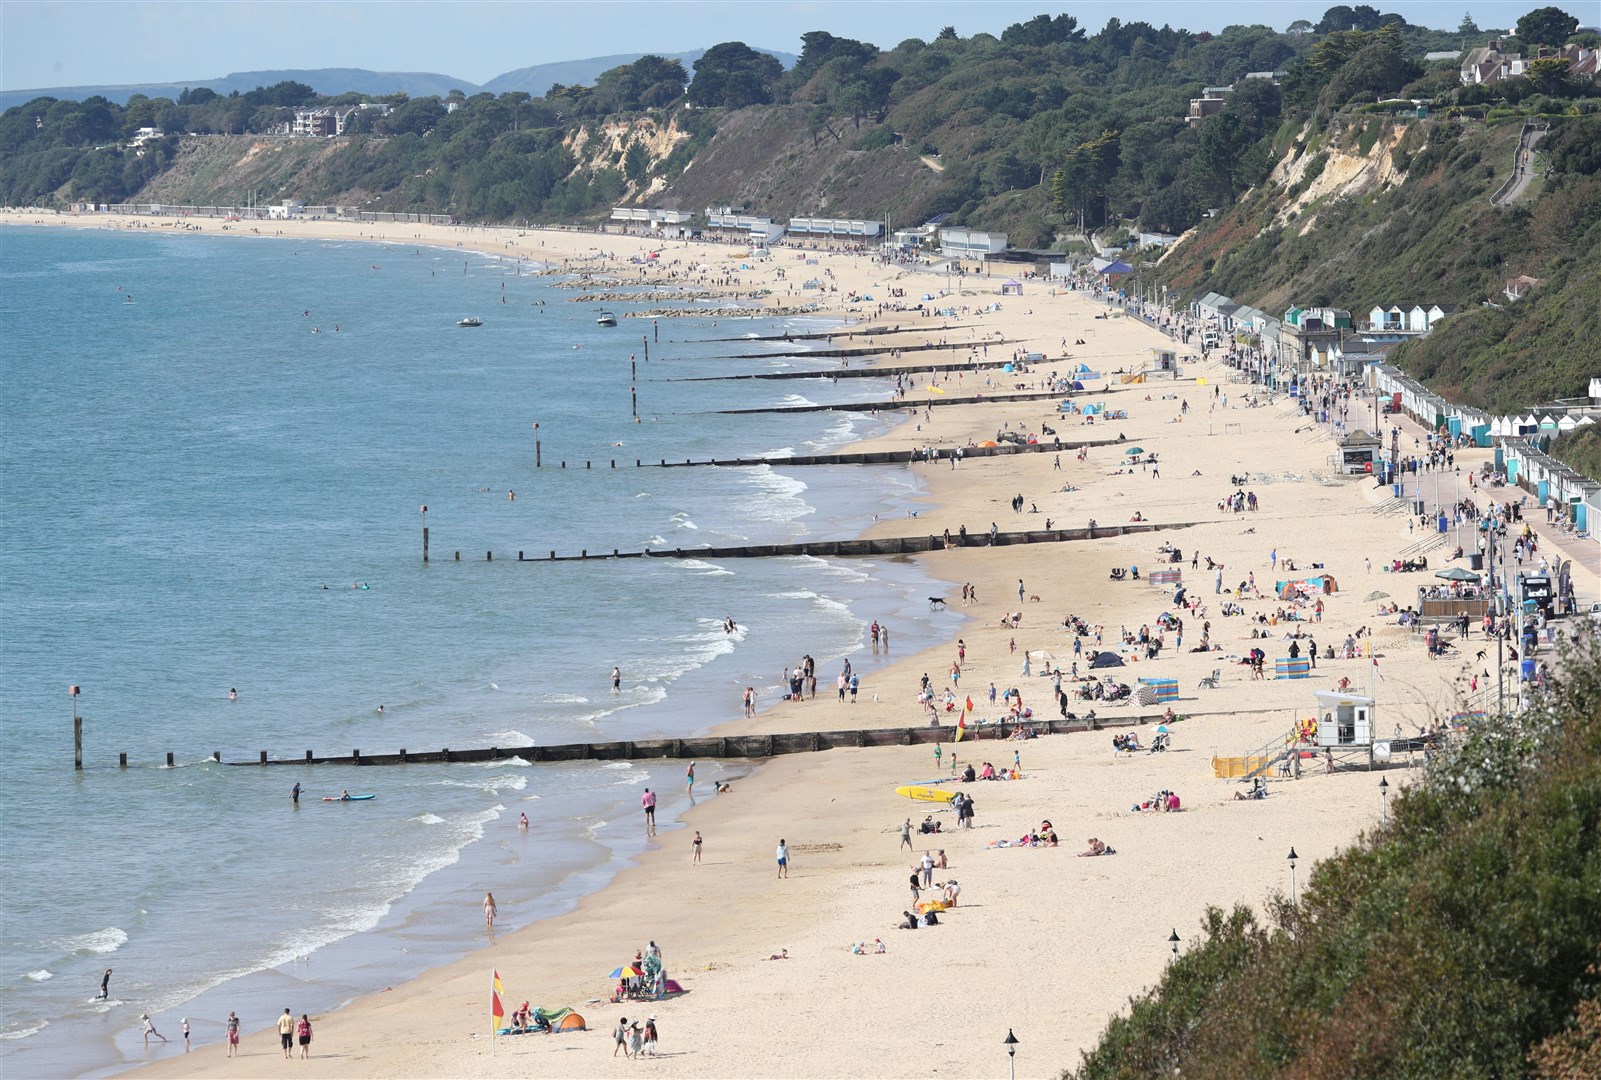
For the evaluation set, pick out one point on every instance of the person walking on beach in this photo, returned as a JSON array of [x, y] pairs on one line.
[[233, 1033], [1020, 590], [620, 1036], [697, 846], [689, 780], [648, 801], [906, 834], [490, 911], [616, 680], [150, 1029], [783, 858], [303, 1033], [186, 1034], [286, 1032], [636, 1041], [105, 985], [651, 1035], [928, 869]]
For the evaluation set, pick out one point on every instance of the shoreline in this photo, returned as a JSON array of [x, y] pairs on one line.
[[837, 807]]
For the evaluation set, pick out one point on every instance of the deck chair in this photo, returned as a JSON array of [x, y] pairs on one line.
[[1211, 681]]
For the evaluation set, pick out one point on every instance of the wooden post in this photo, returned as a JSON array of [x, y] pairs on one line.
[[122, 761], [77, 731], [169, 759], [536, 454], [264, 757], [216, 755], [425, 543], [633, 397], [355, 757], [489, 556], [308, 757], [403, 755]]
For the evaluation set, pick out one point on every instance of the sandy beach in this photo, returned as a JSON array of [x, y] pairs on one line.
[[1043, 943]]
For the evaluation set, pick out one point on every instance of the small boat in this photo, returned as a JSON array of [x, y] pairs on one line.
[[471, 320], [347, 798], [606, 319]]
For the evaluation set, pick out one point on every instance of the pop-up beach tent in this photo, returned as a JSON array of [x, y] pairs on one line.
[[1106, 659]]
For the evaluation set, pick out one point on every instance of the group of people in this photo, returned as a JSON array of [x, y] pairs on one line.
[[633, 1040], [291, 1032]]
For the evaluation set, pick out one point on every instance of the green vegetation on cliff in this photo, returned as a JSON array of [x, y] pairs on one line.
[[1458, 939]]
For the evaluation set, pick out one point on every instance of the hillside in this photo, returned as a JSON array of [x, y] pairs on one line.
[[1459, 939], [1378, 210]]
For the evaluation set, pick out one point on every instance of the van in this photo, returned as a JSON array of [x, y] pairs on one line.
[[1595, 613], [1209, 339]]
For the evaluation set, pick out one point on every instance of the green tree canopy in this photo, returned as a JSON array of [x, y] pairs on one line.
[[1547, 26], [734, 75]]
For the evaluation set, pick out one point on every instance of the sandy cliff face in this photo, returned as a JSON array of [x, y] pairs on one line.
[[1338, 168]]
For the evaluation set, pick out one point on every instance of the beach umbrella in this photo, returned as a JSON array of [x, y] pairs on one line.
[[1456, 573], [627, 971], [1134, 451], [1376, 594], [1162, 729]]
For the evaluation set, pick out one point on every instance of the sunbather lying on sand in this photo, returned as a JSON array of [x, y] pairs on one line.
[[1097, 848]]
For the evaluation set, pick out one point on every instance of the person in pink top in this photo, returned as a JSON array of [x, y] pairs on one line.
[[648, 801]]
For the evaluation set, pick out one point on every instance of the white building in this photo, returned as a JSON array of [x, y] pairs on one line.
[[834, 228], [961, 243], [729, 224]]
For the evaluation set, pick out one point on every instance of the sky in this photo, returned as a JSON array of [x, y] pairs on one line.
[[47, 43]]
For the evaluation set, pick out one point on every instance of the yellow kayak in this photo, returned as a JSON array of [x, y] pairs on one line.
[[925, 794]]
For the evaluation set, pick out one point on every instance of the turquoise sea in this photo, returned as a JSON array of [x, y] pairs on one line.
[[185, 472]]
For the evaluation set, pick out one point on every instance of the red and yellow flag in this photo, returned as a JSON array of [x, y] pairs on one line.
[[961, 726], [497, 1010], [969, 706]]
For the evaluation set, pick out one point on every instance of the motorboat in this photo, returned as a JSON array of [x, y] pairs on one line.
[[606, 319], [471, 320]]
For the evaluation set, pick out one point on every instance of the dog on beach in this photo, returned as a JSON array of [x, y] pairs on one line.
[[936, 601], [1034, 598]]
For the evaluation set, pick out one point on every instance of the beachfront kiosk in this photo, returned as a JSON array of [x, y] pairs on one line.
[[1359, 453]]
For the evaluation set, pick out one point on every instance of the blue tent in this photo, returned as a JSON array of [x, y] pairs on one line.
[[1113, 269]]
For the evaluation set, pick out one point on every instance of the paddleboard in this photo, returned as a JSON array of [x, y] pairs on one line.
[[353, 798], [925, 794]]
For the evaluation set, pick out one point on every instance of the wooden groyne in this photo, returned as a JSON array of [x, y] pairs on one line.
[[861, 548], [706, 748], [874, 457], [855, 331], [836, 354], [904, 403], [851, 373]]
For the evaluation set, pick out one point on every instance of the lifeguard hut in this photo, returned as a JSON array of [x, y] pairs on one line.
[[1164, 362], [1345, 724]]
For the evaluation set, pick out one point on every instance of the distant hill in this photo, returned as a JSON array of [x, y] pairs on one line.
[[331, 81], [538, 79], [323, 80]]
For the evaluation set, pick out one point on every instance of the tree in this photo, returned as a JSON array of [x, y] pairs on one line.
[[734, 75], [636, 163], [1547, 26], [946, 33], [1467, 27], [1360, 17], [1298, 28], [1043, 30], [1549, 76], [1086, 174]]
